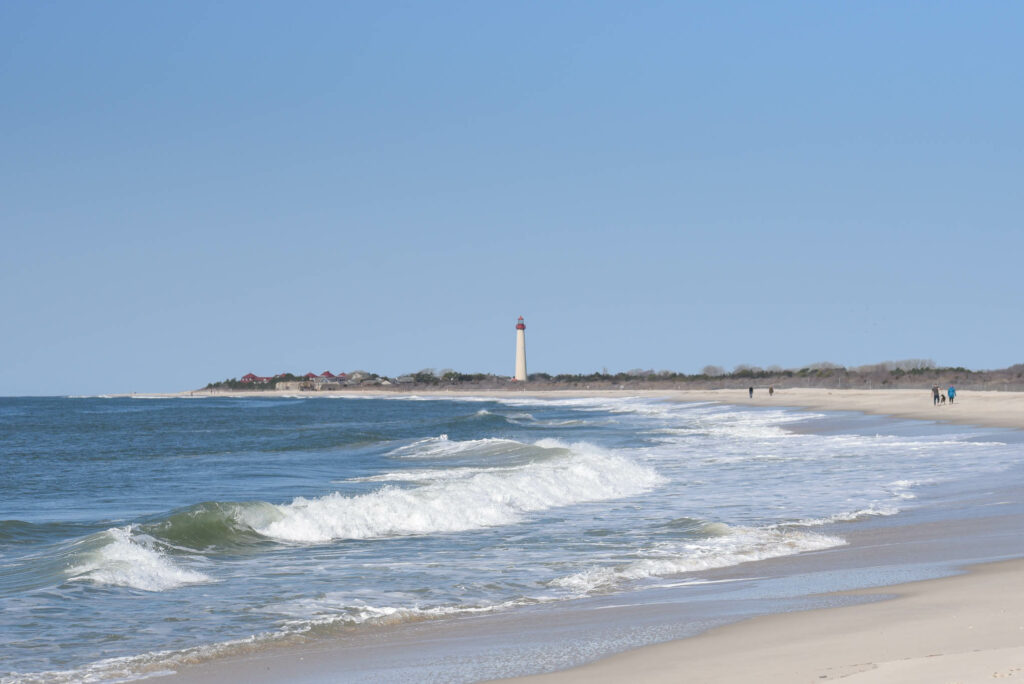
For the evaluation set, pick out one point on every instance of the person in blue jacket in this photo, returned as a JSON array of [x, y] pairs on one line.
[[951, 393]]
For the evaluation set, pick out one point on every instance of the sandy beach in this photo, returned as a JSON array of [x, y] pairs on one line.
[[990, 409]]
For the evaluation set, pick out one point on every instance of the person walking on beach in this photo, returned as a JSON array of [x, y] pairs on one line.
[[935, 395], [771, 390], [751, 390], [951, 393]]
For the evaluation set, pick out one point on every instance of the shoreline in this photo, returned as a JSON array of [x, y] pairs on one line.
[[961, 621], [964, 628], [982, 408]]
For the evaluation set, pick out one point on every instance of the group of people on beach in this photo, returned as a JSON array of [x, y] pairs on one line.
[[939, 398], [771, 391]]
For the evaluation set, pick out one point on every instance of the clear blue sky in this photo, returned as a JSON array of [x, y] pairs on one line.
[[193, 191]]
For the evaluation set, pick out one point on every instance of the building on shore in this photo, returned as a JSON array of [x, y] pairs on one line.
[[520, 351]]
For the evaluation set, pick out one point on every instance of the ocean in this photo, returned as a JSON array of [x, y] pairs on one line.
[[140, 535]]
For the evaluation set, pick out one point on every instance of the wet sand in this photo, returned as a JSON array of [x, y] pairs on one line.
[[965, 629], [968, 628]]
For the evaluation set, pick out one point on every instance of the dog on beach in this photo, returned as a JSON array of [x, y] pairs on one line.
[[942, 398]]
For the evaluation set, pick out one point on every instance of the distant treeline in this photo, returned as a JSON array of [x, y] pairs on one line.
[[909, 373]]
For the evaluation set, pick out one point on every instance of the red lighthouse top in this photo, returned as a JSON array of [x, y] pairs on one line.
[[520, 325]]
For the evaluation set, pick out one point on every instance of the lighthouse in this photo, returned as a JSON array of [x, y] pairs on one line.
[[521, 350]]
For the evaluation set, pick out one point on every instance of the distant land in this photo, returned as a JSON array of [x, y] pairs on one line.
[[906, 374]]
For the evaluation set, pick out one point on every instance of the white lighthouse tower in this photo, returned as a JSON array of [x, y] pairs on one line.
[[521, 350]]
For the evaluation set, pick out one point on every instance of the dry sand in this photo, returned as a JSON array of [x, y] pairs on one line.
[[965, 629], [991, 409]]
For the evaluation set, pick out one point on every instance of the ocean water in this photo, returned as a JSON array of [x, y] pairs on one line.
[[137, 535]]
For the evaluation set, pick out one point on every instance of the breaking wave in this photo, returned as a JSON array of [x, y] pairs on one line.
[[529, 478], [120, 558], [560, 475], [442, 447]]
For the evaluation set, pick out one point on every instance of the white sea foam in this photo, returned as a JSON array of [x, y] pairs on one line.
[[901, 488], [736, 545], [441, 447], [145, 665], [169, 662], [555, 423], [129, 560], [580, 403], [744, 425], [427, 475], [341, 608], [574, 473], [849, 516]]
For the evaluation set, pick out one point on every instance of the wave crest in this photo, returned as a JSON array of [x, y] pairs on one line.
[[496, 496], [121, 558], [213, 524]]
